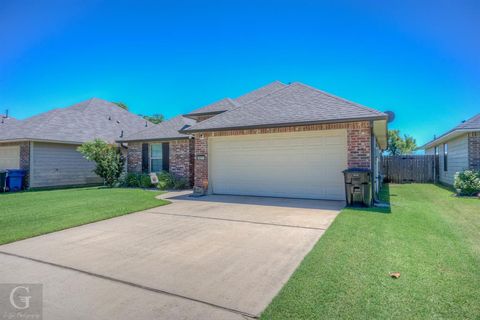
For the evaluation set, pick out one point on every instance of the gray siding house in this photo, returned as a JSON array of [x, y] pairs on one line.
[[458, 149], [46, 145]]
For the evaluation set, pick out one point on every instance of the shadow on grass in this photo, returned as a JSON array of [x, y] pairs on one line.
[[384, 197]]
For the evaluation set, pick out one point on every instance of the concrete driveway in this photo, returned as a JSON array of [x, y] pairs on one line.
[[215, 257]]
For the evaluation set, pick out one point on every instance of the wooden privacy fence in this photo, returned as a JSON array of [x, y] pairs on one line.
[[408, 169]]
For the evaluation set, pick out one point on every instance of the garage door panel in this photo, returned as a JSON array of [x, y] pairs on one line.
[[301, 164], [9, 157]]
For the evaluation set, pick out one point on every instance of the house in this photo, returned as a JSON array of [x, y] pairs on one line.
[[282, 140], [46, 144], [458, 149]]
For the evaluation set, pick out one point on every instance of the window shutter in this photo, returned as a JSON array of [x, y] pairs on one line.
[[166, 156], [145, 158]]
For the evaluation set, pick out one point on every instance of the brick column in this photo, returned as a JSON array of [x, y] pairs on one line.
[[180, 158], [474, 150], [201, 161], [134, 157], [359, 145]]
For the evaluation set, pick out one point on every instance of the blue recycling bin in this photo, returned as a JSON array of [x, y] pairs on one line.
[[15, 179]]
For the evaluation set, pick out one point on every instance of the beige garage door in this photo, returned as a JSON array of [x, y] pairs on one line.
[[297, 165], [9, 157]]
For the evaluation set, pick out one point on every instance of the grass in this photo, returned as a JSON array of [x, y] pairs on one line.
[[430, 236], [28, 214]]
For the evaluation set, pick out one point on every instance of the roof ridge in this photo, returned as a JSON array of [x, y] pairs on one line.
[[243, 105], [337, 97]]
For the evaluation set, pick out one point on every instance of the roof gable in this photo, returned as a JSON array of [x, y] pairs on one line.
[[293, 104], [166, 130], [229, 104]]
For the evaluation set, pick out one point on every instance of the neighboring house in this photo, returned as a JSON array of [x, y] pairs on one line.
[[458, 149], [280, 140], [46, 144]]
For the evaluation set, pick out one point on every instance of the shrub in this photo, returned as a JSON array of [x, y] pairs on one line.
[[108, 158], [145, 181], [167, 180], [467, 182], [131, 180]]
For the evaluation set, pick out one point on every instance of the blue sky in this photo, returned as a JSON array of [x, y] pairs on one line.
[[420, 59]]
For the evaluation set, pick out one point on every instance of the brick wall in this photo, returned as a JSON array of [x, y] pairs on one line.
[[474, 150], [358, 140], [134, 157], [181, 157], [24, 157]]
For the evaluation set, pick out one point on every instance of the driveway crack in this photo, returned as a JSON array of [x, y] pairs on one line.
[[133, 284], [237, 220]]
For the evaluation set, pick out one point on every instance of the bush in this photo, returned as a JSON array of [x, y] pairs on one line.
[[167, 180], [108, 158], [467, 182], [145, 181]]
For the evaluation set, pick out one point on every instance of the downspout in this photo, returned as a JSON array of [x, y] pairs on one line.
[[372, 160]]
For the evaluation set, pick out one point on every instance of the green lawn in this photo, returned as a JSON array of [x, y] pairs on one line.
[[28, 214], [431, 237]]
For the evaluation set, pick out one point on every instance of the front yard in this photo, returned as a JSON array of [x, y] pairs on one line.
[[431, 237], [28, 214]]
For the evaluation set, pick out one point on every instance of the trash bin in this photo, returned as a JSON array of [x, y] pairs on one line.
[[3, 180], [15, 179], [358, 188]]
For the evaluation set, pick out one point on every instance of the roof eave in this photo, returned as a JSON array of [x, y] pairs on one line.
[[40, 140], [153, 139], [446, 137], [286, 124]]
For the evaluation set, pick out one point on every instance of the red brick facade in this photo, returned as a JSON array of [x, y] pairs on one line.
[[180, 156], [474, 150], [358, 140]]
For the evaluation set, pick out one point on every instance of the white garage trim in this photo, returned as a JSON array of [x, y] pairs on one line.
[[296, 165], [9, 157]]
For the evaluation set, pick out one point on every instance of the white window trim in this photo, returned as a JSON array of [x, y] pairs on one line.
[[150, 158]]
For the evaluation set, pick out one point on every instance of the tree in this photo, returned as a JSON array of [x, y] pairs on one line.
[[155, 118], [122, 105], [109, 161], [398, 145]]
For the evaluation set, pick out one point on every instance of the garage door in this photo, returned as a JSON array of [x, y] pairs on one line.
[[9, 157], [297, 165]]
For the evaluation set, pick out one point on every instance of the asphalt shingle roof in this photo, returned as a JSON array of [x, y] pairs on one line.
[[229, 104], [219, 106], [472, 123], [4, 120], [85, 121], [295, 103], [166, 130]]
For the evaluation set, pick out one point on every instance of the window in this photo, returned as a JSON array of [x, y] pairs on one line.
[[156, 157], [445, 157], [436, 150]]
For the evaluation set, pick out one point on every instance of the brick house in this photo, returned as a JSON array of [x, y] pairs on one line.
[[458, 149], [280, 140]]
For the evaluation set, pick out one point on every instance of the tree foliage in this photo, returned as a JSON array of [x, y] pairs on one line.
[[109, 161], [122, 105], [398, 145], [155, 118]]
